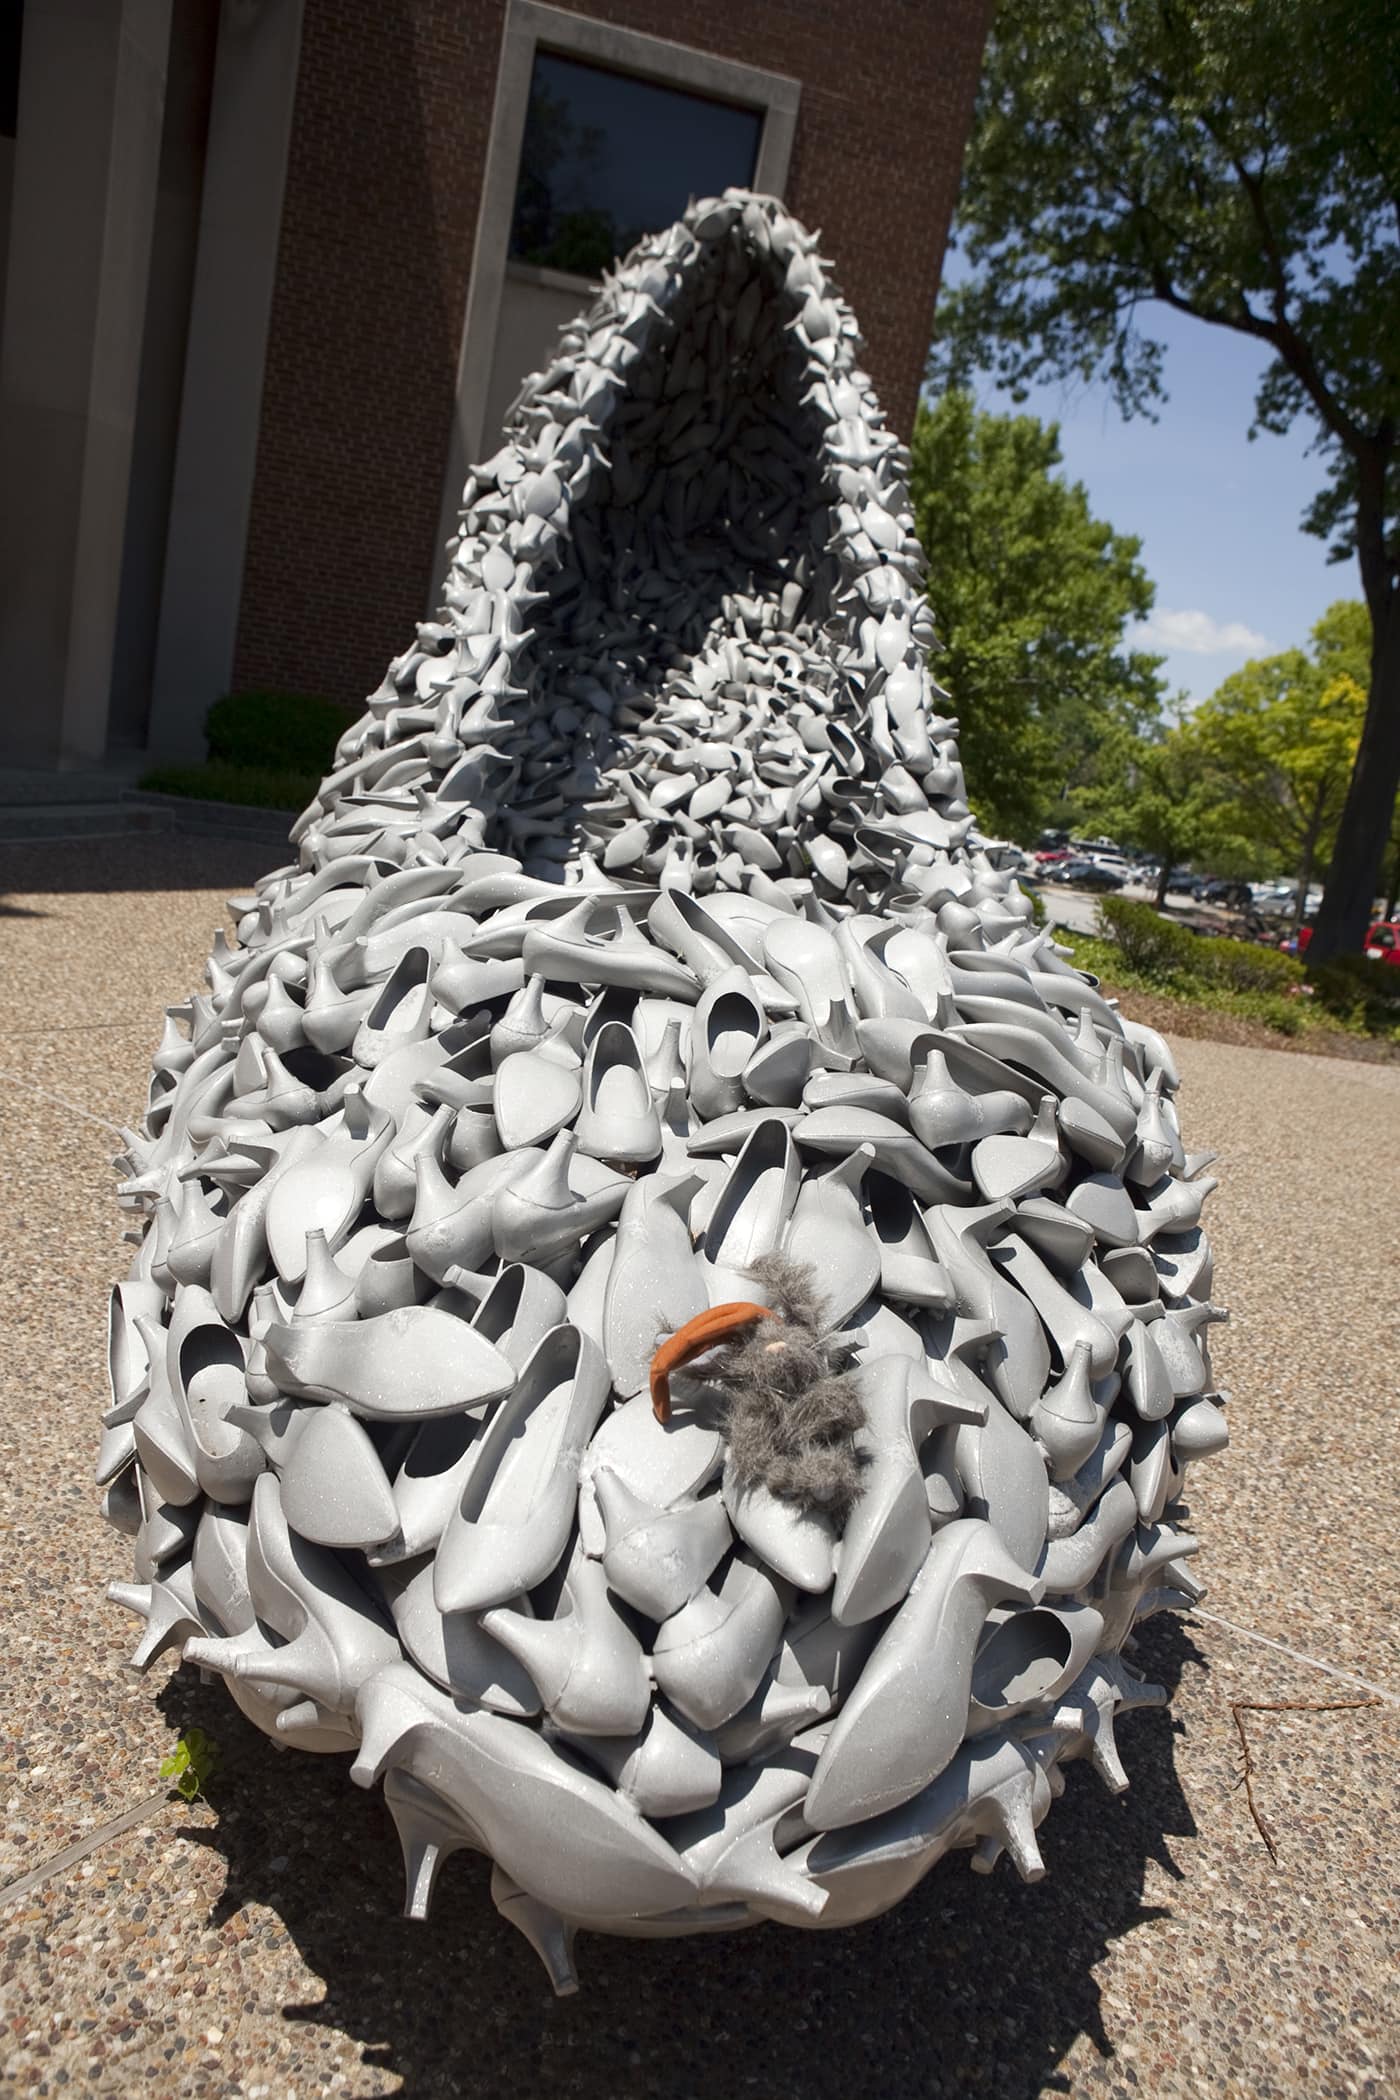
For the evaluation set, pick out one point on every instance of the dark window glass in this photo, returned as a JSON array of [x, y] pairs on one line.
[[11, 30], [607, 158]]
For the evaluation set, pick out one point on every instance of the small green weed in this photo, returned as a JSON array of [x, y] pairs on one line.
[[191, 1763]]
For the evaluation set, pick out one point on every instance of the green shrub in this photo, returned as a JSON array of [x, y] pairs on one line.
[[1168, 953], [1361, 993], [1161, 949], [252, 787], [1235, 977], [1245, 966], [280, 732], [1286, 1016]]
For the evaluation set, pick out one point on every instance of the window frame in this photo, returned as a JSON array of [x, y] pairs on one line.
[[531, 25]]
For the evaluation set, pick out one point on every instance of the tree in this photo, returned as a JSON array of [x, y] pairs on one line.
[[1030, 594], [1154, 794], [1392, 880], [1278, 739], [1238, 161]]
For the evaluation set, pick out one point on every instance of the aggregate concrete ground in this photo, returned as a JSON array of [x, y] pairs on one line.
[[250, 1945]]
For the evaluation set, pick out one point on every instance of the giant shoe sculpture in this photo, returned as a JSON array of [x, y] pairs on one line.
[[667, 1318]]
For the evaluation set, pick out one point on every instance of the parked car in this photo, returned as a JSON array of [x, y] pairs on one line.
[[1382, 941], [1085, 875], [1274, 898], [1231, 896], [1051, 856], [1004, 854], [1182, 883]]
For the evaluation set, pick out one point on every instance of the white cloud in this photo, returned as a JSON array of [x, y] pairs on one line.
[[1197, 634]]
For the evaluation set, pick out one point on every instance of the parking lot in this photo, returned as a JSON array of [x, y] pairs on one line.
[[1079, 909]]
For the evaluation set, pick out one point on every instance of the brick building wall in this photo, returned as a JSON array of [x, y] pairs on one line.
[[389, 140]]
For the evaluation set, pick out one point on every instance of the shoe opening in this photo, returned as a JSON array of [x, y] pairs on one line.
[[694, 578]]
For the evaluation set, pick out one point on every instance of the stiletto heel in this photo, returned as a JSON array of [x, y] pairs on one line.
[[428, 1835], [551, 1936], [895, 1733]]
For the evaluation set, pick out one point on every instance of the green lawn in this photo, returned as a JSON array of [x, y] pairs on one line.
[[253, 787]]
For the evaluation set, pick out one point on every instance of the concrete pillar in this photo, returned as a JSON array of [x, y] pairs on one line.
[[91, 104], [255, 75]]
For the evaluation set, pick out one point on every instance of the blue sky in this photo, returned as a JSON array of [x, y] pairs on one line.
[[1218, 517]]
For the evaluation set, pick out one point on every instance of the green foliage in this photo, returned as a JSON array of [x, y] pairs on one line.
[[1252, 782], [1098, 957], [1154, 793], [191, 1763], [1286, 1009], [1237, 161], [1277, 741], [251, 787], [1246, 966], [280, 732], [1286, 1016], [1031, 595], [1362, 994], [1160, 949], [267, 750], [1164, 952]]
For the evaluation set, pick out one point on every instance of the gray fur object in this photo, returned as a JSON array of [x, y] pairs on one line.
[[638, 955], [792, 1402]]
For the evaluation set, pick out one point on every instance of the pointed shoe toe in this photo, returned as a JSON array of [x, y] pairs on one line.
[[513, 1520]]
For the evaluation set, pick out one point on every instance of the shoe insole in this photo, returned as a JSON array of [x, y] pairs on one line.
[[732, 1035]]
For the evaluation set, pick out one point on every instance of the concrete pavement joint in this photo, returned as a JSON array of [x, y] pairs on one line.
[[72, 1855], [1313, 1662], [60, 1101], [76, 1028]]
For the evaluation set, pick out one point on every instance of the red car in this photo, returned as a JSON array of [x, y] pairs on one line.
[[1382, 942], [1052, 853]]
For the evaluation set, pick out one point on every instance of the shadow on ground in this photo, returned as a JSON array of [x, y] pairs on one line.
[[971, 1986], [161, 860]]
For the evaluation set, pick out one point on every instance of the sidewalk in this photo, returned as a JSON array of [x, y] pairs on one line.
[[43, 807], [253, 1946]]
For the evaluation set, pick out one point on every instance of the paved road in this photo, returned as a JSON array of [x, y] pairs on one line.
[[252, 1946], [1079, 909]]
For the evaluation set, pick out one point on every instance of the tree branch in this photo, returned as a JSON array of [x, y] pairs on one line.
[[1290, 345]]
